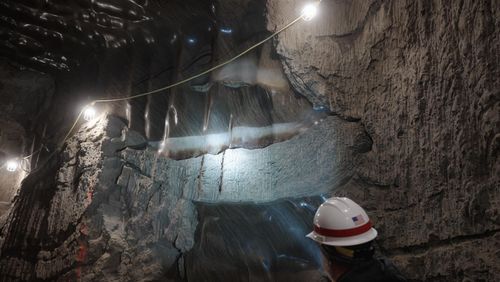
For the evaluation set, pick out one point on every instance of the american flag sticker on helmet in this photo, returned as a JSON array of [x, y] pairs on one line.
[[358, 220]]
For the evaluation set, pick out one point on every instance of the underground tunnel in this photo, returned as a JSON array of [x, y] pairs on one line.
[[195, 140]]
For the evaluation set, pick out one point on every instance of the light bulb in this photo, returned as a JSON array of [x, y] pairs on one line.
[[310, 11], [89, 113], [12, 165]]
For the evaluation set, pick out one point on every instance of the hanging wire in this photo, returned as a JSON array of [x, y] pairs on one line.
[[156, 91], [35, 152]]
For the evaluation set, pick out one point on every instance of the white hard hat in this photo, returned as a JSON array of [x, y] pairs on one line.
[[342, 222]]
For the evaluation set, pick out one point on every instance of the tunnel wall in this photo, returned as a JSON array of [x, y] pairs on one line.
[[422, 77], [111, 208]]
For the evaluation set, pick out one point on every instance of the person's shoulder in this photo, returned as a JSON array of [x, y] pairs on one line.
[[373, 270], [390, 270]]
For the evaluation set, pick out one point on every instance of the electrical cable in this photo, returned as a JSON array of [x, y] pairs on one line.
[[35, 152], [202, 73], [156, 91]]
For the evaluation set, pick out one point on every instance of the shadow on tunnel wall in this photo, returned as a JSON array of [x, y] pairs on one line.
[[255, 242]]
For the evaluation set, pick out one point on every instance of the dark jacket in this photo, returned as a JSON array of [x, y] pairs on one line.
[[374, 270]]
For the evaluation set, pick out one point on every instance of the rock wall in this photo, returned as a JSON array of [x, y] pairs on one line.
[[119, 210], [92, 222], [422, 77]]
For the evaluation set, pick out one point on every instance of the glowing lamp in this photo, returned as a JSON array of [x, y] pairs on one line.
[[89, 113], [12, 165], [310, 11]]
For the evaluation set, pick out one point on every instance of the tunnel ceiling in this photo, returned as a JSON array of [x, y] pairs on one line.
[[66, 35]]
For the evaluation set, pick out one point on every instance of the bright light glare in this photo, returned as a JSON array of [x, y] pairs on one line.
[[12, 165], [89, 113], [162, 146], [309, 11]]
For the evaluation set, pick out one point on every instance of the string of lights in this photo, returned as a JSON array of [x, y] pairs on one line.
[[88, 112]]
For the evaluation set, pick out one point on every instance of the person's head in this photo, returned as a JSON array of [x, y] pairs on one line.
[[344, 232]]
